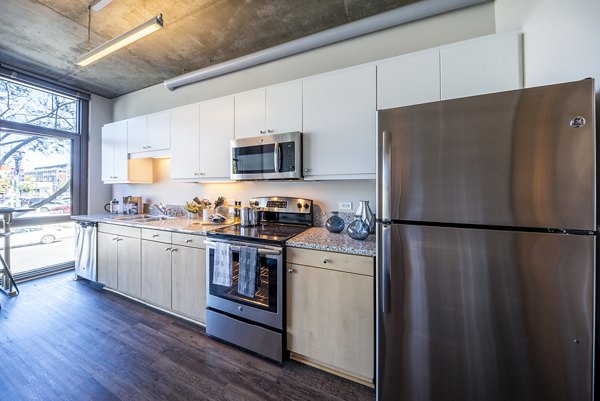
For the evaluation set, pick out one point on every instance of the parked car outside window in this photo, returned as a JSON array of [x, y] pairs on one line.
[[24, 236]]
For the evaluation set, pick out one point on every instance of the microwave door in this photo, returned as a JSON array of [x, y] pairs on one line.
[[254, 160]]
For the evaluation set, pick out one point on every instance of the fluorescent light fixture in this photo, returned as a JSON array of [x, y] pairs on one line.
[[99, 5], [123, 40]]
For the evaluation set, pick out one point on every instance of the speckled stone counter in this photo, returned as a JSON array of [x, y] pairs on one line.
[[177, 224], [320, 239]]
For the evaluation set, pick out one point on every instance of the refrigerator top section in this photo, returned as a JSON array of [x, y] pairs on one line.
[[523, 158]]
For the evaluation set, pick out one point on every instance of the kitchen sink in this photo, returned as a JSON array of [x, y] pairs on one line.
[[138, 218]]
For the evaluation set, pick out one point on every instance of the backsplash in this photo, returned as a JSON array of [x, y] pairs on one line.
[[326, 195]]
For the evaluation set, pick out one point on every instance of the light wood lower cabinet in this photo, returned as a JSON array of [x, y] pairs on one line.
[[188, 279], [163, 268], [119, 263], [330, 311], [156, 273]]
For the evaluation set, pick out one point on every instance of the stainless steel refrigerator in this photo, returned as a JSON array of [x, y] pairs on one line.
[[487, 247]]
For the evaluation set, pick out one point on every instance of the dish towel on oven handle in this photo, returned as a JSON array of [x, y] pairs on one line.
[[222, 262], [247, 271]]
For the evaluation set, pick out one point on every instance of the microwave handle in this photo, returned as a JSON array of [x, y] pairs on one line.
[[277, 157]]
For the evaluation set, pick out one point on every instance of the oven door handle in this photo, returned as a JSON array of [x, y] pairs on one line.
[[261, 251]]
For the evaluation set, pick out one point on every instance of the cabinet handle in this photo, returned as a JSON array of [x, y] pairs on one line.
[[115, 238], [325, 261], [154, 235], [269, 130], [144, 147], [202, 173], [167, 249], [262, 131], [173, 250], [196, 173], [188, 241], [291, 270], [148, 147]]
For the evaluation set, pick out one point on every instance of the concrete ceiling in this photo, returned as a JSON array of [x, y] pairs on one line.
[[48, 36]]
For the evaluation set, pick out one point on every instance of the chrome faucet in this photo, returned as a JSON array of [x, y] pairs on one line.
[[160, 207]]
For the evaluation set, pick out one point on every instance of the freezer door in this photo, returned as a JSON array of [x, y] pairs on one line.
[[490, 315], [522, 158]]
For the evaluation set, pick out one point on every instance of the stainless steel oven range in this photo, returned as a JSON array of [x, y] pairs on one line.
[[245, 284]]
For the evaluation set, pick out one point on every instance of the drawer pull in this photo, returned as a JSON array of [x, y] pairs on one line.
[[188, 241], [155, 236], [173, 250], [167, 249], [325, 261], [291, 270]]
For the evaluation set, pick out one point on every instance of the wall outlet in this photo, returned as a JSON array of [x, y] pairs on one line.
[[345, 206]]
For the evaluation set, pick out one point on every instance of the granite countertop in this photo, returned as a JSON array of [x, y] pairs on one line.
[[320, 239], [176, 224]]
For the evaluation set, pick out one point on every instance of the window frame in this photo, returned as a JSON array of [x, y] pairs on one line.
[[79, 140]]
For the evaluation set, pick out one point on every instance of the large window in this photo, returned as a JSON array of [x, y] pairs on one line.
[[43, 157]]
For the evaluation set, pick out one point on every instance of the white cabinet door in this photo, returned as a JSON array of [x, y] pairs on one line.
[[159, 131], [410, 79], [108, 153], [137, 134], [185, 142], [121, 166], [339, 124], [284, 108], [250, 114], [216, 130], [486, 65]]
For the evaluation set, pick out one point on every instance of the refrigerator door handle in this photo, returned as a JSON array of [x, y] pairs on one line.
[[386, 176], [386, 265]]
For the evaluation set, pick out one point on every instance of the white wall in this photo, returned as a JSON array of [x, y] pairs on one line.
[[431, 32], [101, 112], [561, 38]]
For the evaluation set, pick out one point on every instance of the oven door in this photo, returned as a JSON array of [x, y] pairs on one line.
[[267, 157], [266, 307]]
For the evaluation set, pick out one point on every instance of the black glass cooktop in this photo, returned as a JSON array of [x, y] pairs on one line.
[[275, 233]]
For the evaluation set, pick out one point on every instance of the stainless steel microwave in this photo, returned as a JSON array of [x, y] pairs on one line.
[[267, 157]]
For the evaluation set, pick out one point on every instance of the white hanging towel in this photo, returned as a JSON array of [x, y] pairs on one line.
[[222, 265]]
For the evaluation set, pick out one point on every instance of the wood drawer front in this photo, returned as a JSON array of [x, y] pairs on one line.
[[156, 235], [332, 260], [195, 241], [119, 230]]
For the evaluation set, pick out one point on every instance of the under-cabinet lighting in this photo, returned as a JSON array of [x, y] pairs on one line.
[[123, 40]]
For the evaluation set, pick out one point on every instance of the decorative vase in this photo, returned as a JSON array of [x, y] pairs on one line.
[[334, 224], [358, 229], [366, 214], [191, 215]]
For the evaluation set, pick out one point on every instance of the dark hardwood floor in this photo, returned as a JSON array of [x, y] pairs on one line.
[[68, 340]]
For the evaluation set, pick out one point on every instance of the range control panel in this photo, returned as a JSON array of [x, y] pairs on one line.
[[283, 204]]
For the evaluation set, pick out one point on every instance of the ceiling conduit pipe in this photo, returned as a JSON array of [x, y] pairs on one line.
[[401, 15]]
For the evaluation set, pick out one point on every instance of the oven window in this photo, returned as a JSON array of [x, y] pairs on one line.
[[254, 159], [265, 297]]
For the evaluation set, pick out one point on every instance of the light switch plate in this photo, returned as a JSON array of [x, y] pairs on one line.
[[345, 206]]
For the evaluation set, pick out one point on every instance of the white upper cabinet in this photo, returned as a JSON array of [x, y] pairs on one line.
[[114, 152], [159, 131], [339, 124], [483, 65], [137, 134], [272, 110], [410, 79], [216, 130], [116, 167], [149, 133], [185, 142], [250, 113], [283, 111]]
